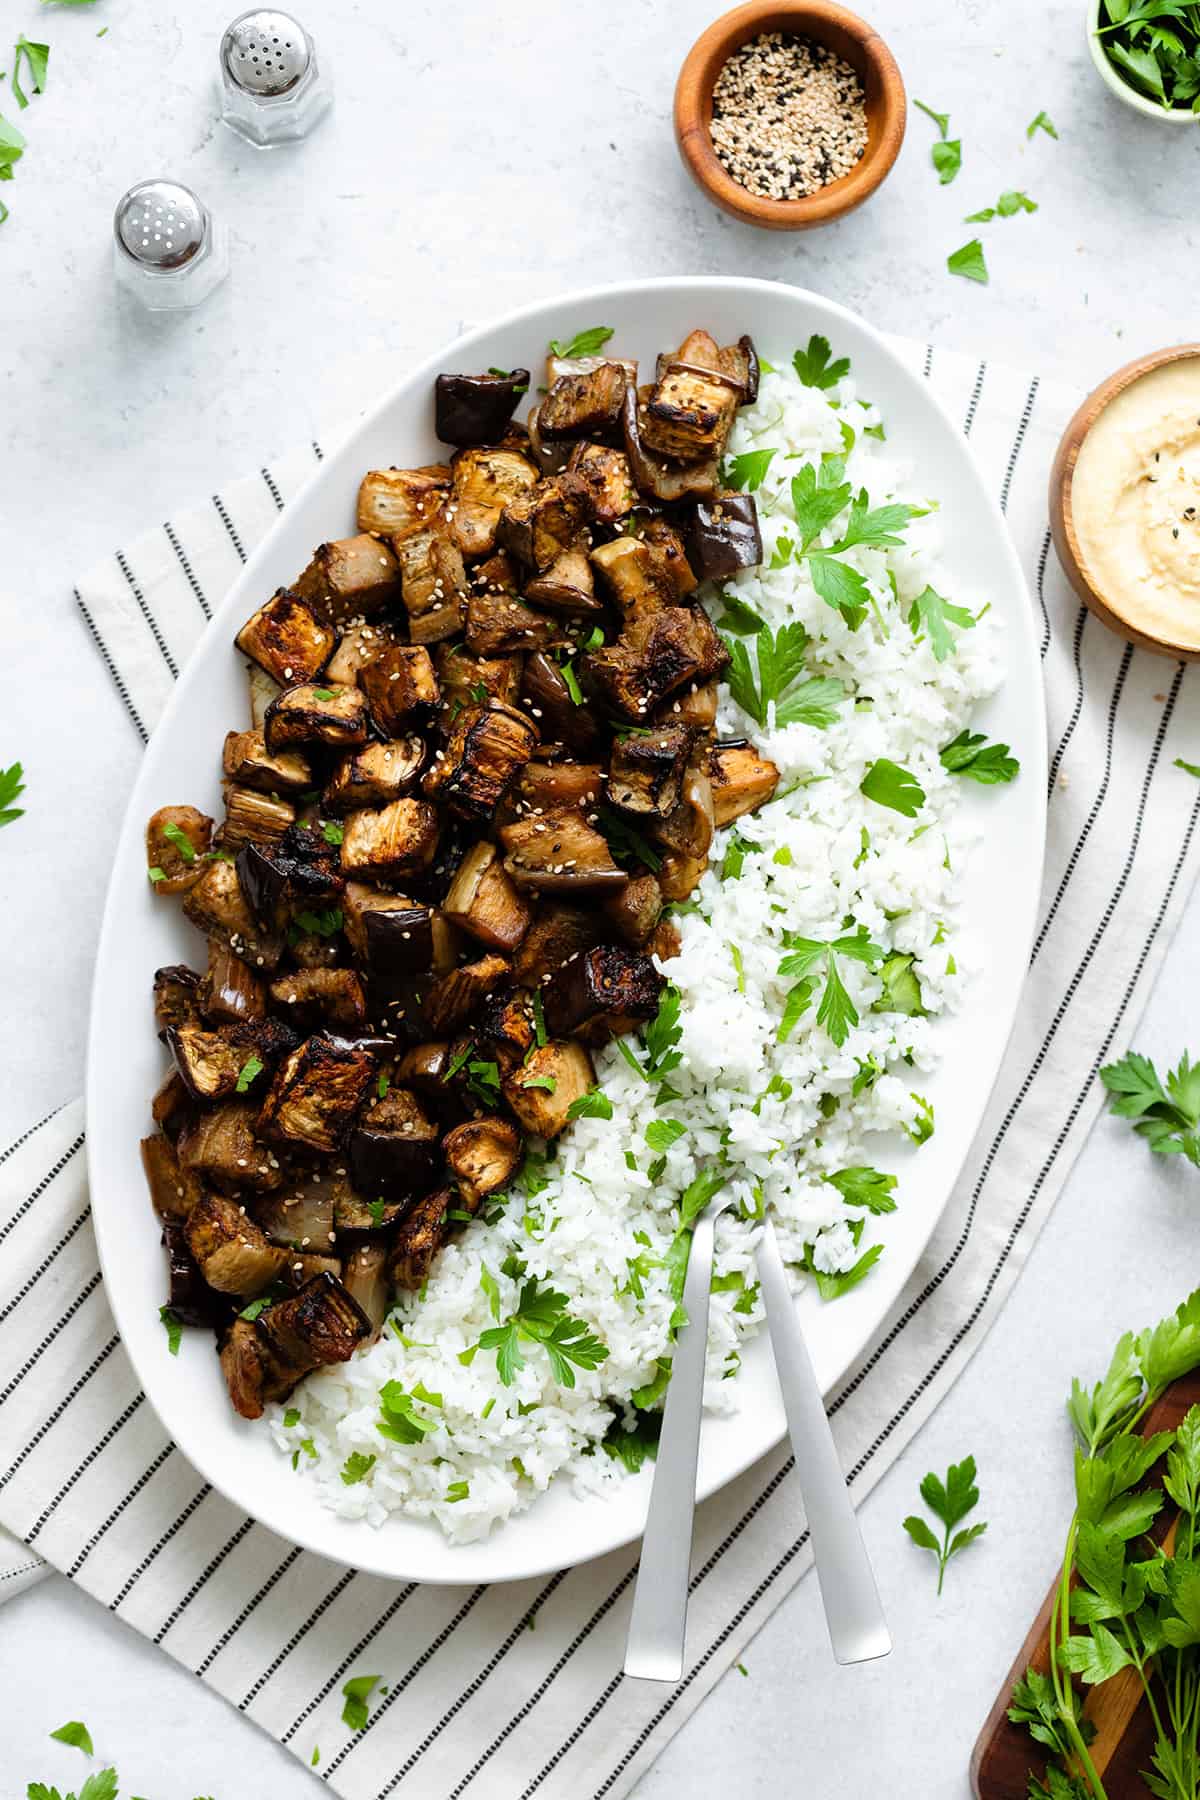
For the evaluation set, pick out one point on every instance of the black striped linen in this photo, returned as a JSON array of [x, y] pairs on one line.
[[516, 1690]]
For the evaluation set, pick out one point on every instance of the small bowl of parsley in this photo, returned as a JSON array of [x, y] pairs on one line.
[[1148, 53]]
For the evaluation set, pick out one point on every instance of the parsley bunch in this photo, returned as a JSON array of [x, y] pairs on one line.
[[1154, 45]]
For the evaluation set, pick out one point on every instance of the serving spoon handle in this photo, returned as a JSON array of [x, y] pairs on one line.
[[658, 1622], [857, 1628]]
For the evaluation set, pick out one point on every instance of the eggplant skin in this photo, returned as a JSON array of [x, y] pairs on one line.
[[605, 992], [646, 773], [301, 870], [486, 747], [476, 409], [218, 906], [560, 854], [401, 688], [375, 775], [322, 996], [188, 1294], [316, 1094], [388, 1166], [419, 1238], [723, 535], [177, 995]]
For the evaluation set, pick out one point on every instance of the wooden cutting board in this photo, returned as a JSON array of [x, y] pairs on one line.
[[1005, 1754]]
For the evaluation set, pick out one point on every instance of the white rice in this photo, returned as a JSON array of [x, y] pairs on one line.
[[597, 1216]]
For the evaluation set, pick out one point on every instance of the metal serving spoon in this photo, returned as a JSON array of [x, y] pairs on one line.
[[857, 1628]]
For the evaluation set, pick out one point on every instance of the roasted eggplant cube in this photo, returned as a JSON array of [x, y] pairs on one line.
[[690, 414], [603, 993], [455, 996], [433, 584], [542, 1091], [300, 1216], [174, 1190], [680, 875], [548, 787], [486, 747], [468, 679], [233, 993], [286, 638], [741, 780], [504, 1028], [722, 535], [636, 576], [251, 816], [189, 1296], [636, 909], [398, 502], [321, 1324], [655, 657], [485, 481], [368, 1218], [586, 405], [317, 1093], [358, 645], [264, 690], [249, 764], [365, 1279], [558, 933], [567, 586], [562, 854], [421, 1235], [499, 623], [177, 839], [393, 1150], [375, 775], [300, 871], [548, 700], [695, 705], [654, 476], [688, 828], [248, 1375], [476, 409], [539, 525], [335, 717], [356, 577], [177, 995], [482, 1155], [663, 538], [208, 1064], [391, 936], [401, 688], [233, 1254], [646, 772], [315, 997], [219, 907], [397, 840], [221, 1146], [608, 479], [484, 902]]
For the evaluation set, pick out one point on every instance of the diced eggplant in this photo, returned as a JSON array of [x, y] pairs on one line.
[[321, 1324], [375, 775], [636, 909], [695, 706], [248, 763], [557, 934], [723, 534], [393, 1150], [421, 1235], [177, 841], [476, 409], [741, 779], [606, 475], [218, 906], [311, 714], [539, 525], [700, 353], [358, 645], [172, 1107], [251, 816], [222, 1146], [603, 993], [286, 638], [365, 1279], [391, 936], [499, 623], [267, 1040], [655, 656], [542, 1091], [560, 855], [365, 1218], [302, 1265], [208, 1064], [317, 1092], [485, 481], [664, 537], [354, 577], [566, 586], [546, 787], [301, 1215], [636, 576], [401, 688], [584, 405], [504, 1028], [174, 1190], [396, 840], [486, 747], [689, 414], [322, 997], [482, 1155], [245, 1368], [484, 902], [177, 995], [548, 699], [750, 392], [300, 871], [680, 875], [433, 583], [234, 1255], [424, 1068], [455, 995], [399, 502], [665, 941], [646, 772], [558, 366], [189, 1297], [688, 828], [232, 992], [655, 476], [469, 679], [264, 691]]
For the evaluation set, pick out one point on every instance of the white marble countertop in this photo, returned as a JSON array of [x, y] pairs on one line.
[[425, 200]]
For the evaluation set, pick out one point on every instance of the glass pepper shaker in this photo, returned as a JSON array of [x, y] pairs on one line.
[[167, 250], [272, 90]]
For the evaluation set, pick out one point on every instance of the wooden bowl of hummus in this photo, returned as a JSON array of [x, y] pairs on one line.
[[1125, 502]]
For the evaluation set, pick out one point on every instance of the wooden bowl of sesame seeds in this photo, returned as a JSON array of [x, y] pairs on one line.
[[789, 116]]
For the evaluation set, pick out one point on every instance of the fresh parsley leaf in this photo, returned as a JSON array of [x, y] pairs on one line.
[[458, 1490], [662, 1133], [874, 527], [251, 1068], [699, 1191], [36, 56], [862, 1186], [946, 157], [401, 1421], [593, 1105], [831, 1286], [571, 681], [737, 849], [1042, 122], [75, 1733], [356, 1468], [173, 1326], [332, 833], [624, 840], [633, 1447], [1187, 767], [950, 1501], [971, 755], [941, 120], [321, 924], [814, 367], [739, 618], [662, 1034], [747, 471], [100, 1786], [1166, 1114], [12, 148], [780, 666], [807, 959], [357, 1693], [969, 261], [1013, 201], [888, 784], [541, 1317], [840, 586], [816, 502], [547, 1082], [322, 693], [1034, 1705], [291, 1417], [934, 615], [901, 989], [584, 343], [981, 217]]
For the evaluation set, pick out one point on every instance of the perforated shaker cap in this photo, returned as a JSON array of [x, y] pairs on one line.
[[266, 53], [160, 224]]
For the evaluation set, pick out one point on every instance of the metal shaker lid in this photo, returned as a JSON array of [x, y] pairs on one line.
[[160, 224], [266, 53]]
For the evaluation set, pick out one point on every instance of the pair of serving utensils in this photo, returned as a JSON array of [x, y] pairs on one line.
[[857, 1629]]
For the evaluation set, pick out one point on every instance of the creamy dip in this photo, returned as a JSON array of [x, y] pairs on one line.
[[1135, 499]]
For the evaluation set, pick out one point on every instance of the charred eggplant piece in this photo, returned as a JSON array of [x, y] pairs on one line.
[[399, 502], [558, 933], [172, 1107], [393, 1150], [485, 482], [233, 1254], [251, 816], [177, 840], [189, 1296], [286, 638], [421, 1235], [655, 656], [322, 997], [392, 937], [503, 1028], [499, 623], [741, 780], [486, 747], [539, 525], [397, 840], [646, 772], [401, 688], [358, 645], [695, 706], [208, 1064], [750, 390], [177, 996], [454, 997], [433, 584], [566, 586], [655, 476], [604, 993], [316, 1094], [584, 405], [636, 577], [688, 828], [222, 1146], [321, 1324], [219, 907], [300, 871], [245, 1368], [249, 764], [263, 691], [560, 855], [335, 717], [354, 577], [365, 1279], [469, 679], [546, 787], [548, 700], [482, 1155], [484, 902], [542, 1091], [301, 1217], [723, 534], [607, 478], [174, 1190], [476, 409], [375, 775], [680, 875], [634, 912], [232, 993]]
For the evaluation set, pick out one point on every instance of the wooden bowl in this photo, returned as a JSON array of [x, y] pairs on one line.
[[1062, 521], [841, 31]]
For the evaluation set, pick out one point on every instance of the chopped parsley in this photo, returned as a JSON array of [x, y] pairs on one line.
[[322, 924], [402, 1422], [969, 261], [356, 1468], [861, 1186], [332, 833], [546, 1082], [814, 367], [593, 1105], [633, 1447], [571, 680], [623, 839], [946, 153], [1010, 202], [662, 1133], [934, 615], [323, 694], [541, 1317], [970, 755], [888, 784], [458, 1490], [584, 343], [1042, 122], [539, 1021], [739, 618], [75, 1733], [251, 1068], [357, 1692], [832, 1285], [36, 58], [156, 875], [901, 989], [173, 1326]]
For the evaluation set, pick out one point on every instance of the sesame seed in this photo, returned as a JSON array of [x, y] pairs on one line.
[[788, 116]]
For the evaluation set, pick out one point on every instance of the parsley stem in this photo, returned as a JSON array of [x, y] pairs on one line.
[[1060, 1629]]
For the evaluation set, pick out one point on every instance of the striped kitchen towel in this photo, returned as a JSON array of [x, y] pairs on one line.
[[478, 1703]]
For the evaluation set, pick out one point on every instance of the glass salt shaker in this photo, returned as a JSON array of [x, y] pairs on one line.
[[272, 90], [167, 250]]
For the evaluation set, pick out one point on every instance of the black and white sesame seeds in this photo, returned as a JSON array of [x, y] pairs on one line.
[[788, 116]]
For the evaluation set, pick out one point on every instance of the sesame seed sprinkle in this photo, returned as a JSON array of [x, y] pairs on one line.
[[788, 116]]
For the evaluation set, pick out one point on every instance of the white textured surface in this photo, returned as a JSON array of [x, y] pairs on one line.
[[436, 193]]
